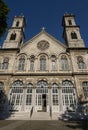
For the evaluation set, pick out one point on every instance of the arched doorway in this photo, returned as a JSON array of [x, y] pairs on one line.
[[42, 96]]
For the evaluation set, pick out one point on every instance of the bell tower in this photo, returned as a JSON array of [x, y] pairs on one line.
[[71, 32], [15, 36]]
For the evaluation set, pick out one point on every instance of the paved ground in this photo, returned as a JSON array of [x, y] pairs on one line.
[[42, 125]]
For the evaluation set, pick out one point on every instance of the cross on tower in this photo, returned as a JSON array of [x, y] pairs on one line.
[[43, 28]]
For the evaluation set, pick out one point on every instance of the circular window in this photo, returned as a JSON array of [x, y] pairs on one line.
[[42, 45]]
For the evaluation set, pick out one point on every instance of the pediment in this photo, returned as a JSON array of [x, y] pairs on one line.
[[43, 43]]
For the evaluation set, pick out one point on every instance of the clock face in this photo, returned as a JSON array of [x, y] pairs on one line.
[[43, 45]]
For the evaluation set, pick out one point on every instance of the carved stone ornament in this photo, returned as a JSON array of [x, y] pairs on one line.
[[42, 45]]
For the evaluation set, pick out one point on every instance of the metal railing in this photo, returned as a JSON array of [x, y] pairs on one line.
[[31, 112], [51, 112]]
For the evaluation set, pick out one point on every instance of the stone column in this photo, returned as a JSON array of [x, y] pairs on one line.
[[34, 96], [36, 64], [60, 99], [24, 98], [50, 96]]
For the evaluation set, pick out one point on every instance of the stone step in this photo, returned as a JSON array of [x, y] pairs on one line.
[[40, 116], [55, 115], [19, 116], [26, 116]]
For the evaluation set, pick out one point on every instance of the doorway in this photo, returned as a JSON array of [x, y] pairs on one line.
[[44, 102]]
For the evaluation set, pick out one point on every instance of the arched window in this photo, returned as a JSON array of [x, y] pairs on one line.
[[73, 35], [16, 94], [5, 63], [42, 87], [21, 64], [29, 94], [32, 59], [85, 88], [55, 99], [17, 23], [68, 94], [42, 63], [13, 36], [53, 60], [70, 22], [80, 62], [64, 63]]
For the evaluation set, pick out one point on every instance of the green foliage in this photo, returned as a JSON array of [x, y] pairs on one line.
[[4, 10]]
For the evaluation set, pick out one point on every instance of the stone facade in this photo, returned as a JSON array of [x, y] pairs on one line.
[[43, 73]]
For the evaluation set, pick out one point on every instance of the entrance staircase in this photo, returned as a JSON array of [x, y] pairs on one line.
[[19, 116], [29, 116], [40, 116]]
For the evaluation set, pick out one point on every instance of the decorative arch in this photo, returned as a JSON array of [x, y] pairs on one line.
[[42, 87], [22, 55], [40, 54], [42, 79], [17, 83]]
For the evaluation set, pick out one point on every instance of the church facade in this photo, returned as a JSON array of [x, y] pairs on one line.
[[43, 73]]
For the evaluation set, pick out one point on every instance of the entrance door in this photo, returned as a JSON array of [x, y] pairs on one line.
[[41, 96], [43, 102]]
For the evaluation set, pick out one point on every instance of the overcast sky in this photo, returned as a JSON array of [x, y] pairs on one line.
[[48, 14]]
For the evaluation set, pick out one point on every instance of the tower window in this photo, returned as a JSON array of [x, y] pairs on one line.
[[17, 23], [70, 22], [13, 36], [73, 35]]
